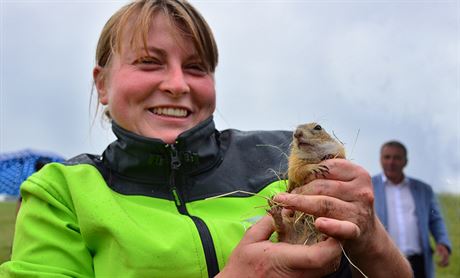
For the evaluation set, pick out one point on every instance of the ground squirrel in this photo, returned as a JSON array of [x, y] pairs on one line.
[[311, 144]]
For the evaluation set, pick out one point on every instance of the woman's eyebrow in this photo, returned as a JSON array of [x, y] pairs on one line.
[[155, 50], [194, 56], [141, 50]]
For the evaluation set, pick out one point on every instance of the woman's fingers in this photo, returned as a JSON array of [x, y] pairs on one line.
[[324, 206], [260, 231], [344, 197], [343, 230], [255, 256], [325, 254], [342, 169], [345, 181]]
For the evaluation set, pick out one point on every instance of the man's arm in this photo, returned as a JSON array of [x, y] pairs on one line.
[[438, 230], [436, 222]]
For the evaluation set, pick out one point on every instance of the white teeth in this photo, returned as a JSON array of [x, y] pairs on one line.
[[175, 112]]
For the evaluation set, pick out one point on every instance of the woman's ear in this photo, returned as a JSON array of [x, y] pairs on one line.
[[99, 81]]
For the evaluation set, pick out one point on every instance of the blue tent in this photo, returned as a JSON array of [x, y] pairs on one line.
[[18, 166]]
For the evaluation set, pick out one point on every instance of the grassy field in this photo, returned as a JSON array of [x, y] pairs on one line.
[[450, 205], [7, 218]]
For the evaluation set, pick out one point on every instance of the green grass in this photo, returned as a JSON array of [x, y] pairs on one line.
[[7, 219], [450, 205]]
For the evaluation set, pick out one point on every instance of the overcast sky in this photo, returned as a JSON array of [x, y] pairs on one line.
[[369, 71]]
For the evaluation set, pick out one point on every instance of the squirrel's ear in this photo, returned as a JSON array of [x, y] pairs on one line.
[[99, 82]]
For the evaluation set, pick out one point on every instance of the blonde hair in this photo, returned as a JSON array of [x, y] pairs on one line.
[[181, 13], [188, 21]]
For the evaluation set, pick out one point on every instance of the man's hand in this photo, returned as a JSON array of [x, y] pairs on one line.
[[443, 252]]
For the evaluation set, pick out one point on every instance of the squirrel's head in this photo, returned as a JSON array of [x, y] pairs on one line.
[[312, 142]]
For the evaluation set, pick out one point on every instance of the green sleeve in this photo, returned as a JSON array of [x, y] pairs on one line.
[[47, 240]]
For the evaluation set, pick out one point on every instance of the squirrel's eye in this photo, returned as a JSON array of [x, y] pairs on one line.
[[317, 127]]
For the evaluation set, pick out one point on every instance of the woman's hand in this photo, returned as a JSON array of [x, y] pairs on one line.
[[256, 256], [343, 202]]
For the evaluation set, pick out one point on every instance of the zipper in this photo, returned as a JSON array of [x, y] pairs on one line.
[[205, 235], [175, 165]]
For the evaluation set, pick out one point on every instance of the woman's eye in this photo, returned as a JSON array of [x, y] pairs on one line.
[[196, 68], [147, 61]]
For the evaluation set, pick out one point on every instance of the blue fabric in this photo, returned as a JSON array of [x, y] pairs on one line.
[[18, 166], [429, 216]]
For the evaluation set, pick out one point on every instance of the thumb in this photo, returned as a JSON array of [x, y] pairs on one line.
[[260, 231]]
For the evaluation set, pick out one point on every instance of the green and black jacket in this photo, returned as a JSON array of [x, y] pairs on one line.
[[145, 208]]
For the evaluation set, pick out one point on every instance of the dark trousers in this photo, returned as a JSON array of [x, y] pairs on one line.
[[418, 265]]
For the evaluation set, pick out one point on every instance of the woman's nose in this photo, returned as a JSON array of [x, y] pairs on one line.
[[174, 82]]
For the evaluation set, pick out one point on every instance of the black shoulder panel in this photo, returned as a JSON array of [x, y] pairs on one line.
[[251, 161], [82, 159]]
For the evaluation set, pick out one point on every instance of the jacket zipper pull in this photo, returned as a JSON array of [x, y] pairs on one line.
[[175, 164], [175, 161]]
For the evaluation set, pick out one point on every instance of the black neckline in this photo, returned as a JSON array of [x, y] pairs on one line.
[[148, 160]]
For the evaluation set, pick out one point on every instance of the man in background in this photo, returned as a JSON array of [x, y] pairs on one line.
[[409, 211]]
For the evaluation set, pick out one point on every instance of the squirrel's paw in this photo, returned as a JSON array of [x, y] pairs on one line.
[[319, 170]]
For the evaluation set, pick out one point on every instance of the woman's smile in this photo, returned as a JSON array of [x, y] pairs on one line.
[[170, 112]]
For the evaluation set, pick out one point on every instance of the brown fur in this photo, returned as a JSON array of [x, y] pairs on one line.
[[311, 144]]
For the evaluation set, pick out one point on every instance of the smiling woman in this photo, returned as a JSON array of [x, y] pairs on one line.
[[157, 81], [152, 204]]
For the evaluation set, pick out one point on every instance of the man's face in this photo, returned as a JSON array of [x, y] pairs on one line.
[[393, 161]]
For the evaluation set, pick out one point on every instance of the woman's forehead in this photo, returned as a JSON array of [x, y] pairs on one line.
[[160, 26]]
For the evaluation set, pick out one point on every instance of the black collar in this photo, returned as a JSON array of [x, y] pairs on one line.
[[146, 160]]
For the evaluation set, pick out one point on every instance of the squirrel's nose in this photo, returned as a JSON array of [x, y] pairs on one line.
[[298, 134]]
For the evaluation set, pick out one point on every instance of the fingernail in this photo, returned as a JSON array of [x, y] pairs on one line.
[[281, 197], [322, 220]]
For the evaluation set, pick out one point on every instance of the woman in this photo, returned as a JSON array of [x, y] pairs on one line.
[[142, 209]]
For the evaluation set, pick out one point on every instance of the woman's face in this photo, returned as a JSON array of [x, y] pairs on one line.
[[158, 94]]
